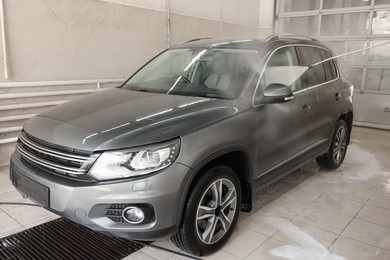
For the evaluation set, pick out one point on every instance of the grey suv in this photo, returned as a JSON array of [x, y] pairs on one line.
[[181, 147]]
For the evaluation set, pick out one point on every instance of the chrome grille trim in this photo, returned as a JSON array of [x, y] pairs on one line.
[[48, 164], [60, 161], [54, 153]]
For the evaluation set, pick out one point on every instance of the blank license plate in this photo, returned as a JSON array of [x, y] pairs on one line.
[[32, 189]]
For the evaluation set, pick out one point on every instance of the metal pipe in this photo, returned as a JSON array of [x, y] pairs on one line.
[[220, 17], [58, 83], [5, 60], [168, 7], [348, 53]]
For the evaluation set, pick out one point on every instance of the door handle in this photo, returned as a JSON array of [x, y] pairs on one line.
[[305, 108], [337, 96]]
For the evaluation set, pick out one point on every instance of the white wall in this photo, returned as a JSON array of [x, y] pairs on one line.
[[233, 11], [51, 40], [88, 39]]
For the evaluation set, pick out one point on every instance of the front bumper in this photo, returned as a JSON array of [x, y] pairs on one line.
[[87, 203]]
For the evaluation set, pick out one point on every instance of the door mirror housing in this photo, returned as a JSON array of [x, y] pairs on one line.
[[276, 93]]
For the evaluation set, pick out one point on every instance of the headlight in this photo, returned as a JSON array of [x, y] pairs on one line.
[[130, 162]]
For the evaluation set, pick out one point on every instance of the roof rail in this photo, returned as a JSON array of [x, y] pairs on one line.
[[288, 36], [197, 39]]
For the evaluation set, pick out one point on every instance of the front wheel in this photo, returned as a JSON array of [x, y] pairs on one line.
[[211, 212], [338, 148]]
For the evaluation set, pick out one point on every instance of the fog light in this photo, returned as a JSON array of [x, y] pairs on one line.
[[133, 215]]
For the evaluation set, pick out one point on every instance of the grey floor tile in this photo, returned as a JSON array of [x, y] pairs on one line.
[[260, 223], [301, 231], [264, 252], [5, 184], [337, 204], [221, 255], [27, 215], [380, 198], [375, 215], [139, 255], [8, 224], [352, 249], [243, 242], [12, 196], [284, 207], [369, 233], [322, 219]]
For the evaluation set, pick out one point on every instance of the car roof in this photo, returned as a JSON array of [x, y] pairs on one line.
[[275, 40], [223, 43]]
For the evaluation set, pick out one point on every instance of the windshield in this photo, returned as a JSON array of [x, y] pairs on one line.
[[218, 73]]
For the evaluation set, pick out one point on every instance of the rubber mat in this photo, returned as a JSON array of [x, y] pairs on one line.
[[63, 239]]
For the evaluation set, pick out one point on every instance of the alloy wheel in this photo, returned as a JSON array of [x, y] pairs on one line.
[[340, 144], [216, 211]]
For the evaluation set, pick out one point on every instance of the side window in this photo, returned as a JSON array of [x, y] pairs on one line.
[[332, 65], [327, 66], [315, 75], [282, 67]]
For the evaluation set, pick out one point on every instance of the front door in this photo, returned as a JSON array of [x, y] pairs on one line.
[[282, 127]]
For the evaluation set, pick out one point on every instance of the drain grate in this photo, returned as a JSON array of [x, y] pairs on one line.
[[63, 239]]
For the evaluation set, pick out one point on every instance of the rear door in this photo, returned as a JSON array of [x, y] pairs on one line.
[[320, 84]]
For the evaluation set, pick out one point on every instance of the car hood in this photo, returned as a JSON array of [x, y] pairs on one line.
[[118, 118]]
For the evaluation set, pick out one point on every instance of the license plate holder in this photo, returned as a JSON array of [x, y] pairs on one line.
[[32, 189]]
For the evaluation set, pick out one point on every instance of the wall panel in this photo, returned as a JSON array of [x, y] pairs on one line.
[[52, 41]]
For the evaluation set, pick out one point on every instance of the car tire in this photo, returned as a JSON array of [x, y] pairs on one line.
[[338, 148], [210, 213]]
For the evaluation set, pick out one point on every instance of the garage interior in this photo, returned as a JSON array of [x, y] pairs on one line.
[[57, 50]]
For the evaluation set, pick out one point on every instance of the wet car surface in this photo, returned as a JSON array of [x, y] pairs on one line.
[[183, 145]]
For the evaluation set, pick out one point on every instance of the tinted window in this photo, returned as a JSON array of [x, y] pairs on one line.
[[315, 75], [332, 65], [283, 67], [327, 66]]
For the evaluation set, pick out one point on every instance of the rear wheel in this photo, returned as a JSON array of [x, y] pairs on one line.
[[338, 148], [211, 212]]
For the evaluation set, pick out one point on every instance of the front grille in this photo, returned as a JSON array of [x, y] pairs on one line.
[[115, 212], [63, 162]]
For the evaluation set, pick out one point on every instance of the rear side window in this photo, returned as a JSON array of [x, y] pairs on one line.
[[315, 75], [330, 67]]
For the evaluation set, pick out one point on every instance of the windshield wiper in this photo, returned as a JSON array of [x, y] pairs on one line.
[[215, 95], [185, 79]]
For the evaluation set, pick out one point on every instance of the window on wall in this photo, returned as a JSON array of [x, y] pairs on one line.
[[380, 22], [354, 75], [300, 25], [380, 55], [299, 5], [330, 4], [345, 26], [378, 79], [381, 2], [347, 46]]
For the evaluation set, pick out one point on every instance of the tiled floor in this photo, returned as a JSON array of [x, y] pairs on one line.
[[310, 214], [15, 218]]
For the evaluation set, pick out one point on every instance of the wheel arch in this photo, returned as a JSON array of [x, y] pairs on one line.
[[347, 116], [235, 158]]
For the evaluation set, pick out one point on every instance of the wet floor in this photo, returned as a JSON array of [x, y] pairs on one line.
[[310, 214], [315, 214]]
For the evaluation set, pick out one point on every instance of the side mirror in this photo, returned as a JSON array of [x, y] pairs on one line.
[[276, 93]]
